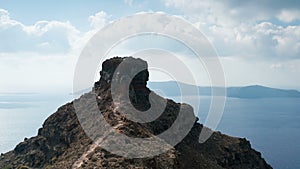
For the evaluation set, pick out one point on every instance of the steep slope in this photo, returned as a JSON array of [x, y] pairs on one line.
[[62, 142]]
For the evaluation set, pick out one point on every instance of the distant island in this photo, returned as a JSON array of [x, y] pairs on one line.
[[171, 88]]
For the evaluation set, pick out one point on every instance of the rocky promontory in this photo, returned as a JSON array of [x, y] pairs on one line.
[[62, 142]]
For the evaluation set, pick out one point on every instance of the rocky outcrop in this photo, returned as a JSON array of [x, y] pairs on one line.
[[62, 142]]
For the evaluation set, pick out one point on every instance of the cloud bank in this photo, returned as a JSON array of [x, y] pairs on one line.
[[246, 28], [257, 38]]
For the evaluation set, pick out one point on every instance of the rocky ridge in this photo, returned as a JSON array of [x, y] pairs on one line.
[[62, 142]]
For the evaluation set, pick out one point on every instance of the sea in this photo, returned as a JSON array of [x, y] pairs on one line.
[[272, 125]]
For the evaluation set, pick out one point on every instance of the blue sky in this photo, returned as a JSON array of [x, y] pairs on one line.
[[40, 41], [76, 11]]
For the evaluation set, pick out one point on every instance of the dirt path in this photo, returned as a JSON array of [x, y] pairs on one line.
[[84, 156]]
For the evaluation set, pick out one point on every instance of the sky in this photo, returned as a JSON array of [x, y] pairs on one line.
[[258, 41]]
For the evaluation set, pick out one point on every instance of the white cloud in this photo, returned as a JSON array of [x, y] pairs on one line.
[[259, 48], [46, 37], [42, 56], [128, 2], [288, 42], [5, 20], [98, 20], [236, 29], [236, 10], [276, 66], [18, 37], [262, 40], [289, 15]]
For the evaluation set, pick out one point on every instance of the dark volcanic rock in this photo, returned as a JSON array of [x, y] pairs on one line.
[[62, 142]]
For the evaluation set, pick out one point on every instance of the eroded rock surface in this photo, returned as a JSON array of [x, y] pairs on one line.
[[62, 142]]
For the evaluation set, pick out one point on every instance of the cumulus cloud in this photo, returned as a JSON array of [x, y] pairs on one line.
[[241, 29], [235, 9], [43, 36], [42, 55], [46, 36], [245, 28], [289, 15], [259, 39], [98, 20], [263, 40]]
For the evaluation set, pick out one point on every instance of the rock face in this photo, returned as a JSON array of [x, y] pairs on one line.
[[62, 142]]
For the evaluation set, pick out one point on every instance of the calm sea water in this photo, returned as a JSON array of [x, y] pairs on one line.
[[272, 125], [21, 115]]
